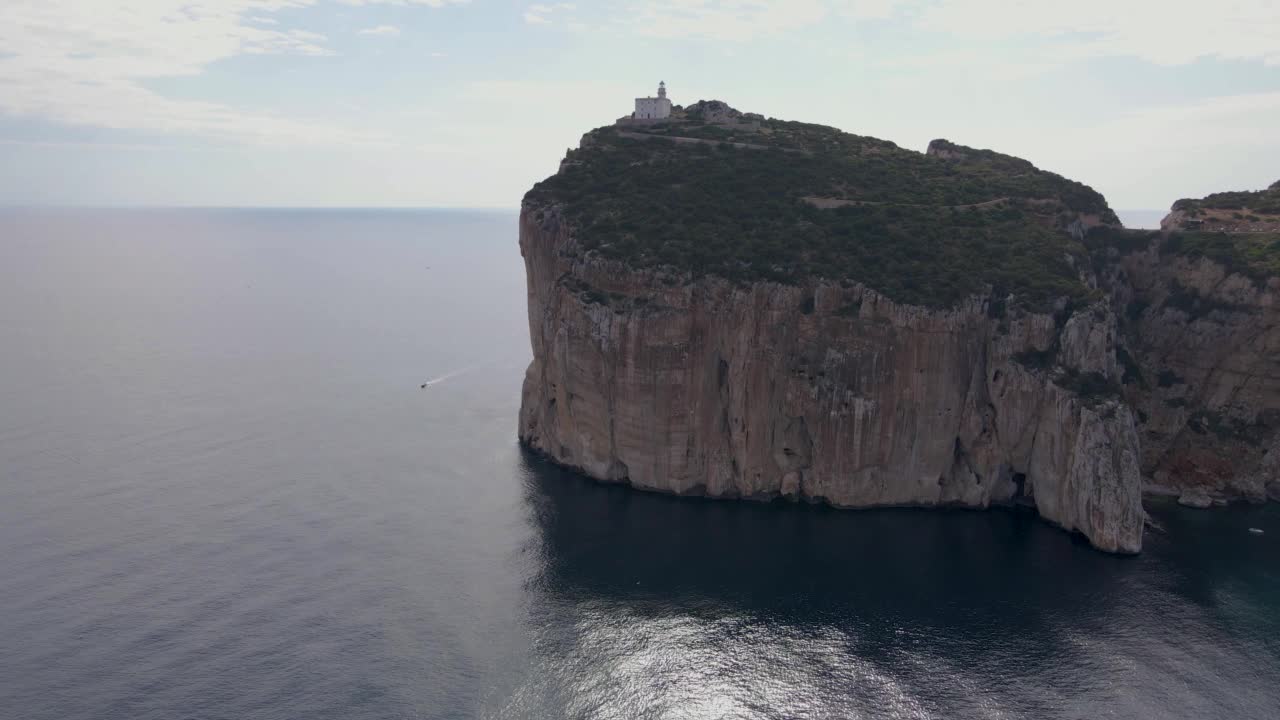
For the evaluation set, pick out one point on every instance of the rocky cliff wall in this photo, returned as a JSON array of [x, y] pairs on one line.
[[824, 392], [1203, 345]]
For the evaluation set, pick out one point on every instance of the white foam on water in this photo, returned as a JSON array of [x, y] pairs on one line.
[[448, 376]]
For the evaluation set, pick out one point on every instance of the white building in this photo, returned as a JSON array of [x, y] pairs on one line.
[[653, 108]]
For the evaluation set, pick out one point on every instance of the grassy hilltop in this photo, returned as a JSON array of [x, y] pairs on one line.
[[1239, 230], [1259, 206], [712, 191]]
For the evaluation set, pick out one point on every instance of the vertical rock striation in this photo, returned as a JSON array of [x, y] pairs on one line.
[[823, 391]]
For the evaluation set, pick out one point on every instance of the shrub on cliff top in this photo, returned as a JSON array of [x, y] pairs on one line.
[[1091, 386], [1266, 201], [1122, 240], [920, 229], [1254, 255]]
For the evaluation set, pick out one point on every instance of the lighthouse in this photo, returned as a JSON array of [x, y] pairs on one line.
[[653, 108]]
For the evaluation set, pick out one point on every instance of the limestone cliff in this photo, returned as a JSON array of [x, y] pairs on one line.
[[762, 309], [821, 391]]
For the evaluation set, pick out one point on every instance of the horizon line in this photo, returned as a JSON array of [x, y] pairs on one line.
[[453, 208], [477, 208]]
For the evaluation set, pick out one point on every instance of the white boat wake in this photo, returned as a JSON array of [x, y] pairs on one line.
[[447, 376]]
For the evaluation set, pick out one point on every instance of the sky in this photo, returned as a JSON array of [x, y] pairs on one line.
[[467, 103]]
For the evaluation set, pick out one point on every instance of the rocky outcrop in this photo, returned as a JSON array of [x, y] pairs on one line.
[[714, 111], [944, 150], [1195, 498], [823, 391]]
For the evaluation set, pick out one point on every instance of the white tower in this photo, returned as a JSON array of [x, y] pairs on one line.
[[651, 108]]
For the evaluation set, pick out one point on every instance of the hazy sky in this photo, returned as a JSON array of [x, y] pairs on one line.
[[468, 102]]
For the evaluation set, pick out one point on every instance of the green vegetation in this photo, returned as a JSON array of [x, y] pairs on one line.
[[919, 229], [1255, 255], [1090, 386], [1266, 202], [1123, 241], [1018, 178], [591, 295]]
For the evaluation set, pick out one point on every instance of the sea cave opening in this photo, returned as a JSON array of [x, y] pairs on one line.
[[1022, 495]]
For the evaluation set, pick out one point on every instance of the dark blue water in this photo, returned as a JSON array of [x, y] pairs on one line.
[[224, 495]]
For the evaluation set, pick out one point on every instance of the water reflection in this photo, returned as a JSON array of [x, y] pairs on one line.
[[644, 605]]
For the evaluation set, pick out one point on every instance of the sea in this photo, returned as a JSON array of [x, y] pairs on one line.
[[1141, 219], [226, 494]]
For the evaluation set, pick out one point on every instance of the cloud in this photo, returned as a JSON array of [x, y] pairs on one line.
[[1158, 153], [84, 62], [97, 145], [1244, 120], [574, 93], [386, 30], [734, 20], [578, 103], [1152, 30], [742, 20], [540, 14], [427, 3]]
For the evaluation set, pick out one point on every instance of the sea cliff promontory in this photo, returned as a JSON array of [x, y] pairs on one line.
[[738, 307]]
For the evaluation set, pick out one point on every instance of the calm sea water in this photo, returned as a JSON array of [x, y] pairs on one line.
[[223, 494]]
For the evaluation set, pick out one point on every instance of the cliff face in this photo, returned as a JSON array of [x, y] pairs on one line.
[[733, 306], [823, 391], [1204, 343]]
